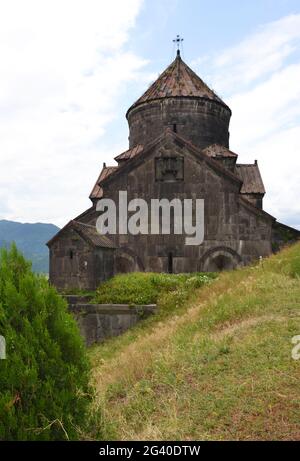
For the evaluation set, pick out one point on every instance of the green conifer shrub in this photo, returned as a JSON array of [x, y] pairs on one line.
[[44, 393]]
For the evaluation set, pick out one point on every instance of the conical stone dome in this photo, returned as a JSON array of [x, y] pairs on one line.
[[181, 100]]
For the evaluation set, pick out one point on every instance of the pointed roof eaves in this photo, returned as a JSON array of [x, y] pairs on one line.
[[217, 150], [87, 232], [129, 153], [106, 171], [131, 160], [178, 80], [198, 153], [288, 228], [84, 213], [256, 210]]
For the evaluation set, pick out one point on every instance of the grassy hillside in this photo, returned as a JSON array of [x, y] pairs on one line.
[[30, 239], [222, 369]]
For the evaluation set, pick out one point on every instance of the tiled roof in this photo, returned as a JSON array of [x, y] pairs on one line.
[[252, 182], [90, 233], [178, 80], [97, 190], [87, 232], [130, 153], [106, 171], [216, 150]]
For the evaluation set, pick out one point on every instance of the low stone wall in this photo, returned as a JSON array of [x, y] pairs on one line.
[[98, 322]]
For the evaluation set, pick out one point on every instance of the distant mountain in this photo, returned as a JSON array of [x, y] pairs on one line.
[[31, 239]]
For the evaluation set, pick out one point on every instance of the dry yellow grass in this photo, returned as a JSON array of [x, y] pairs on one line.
[[220, 370]]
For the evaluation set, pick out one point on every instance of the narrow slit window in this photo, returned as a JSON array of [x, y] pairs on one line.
[[170, 263], [71, 254], [174, 127]]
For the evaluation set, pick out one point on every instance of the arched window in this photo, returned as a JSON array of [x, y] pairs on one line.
[[219, 259]]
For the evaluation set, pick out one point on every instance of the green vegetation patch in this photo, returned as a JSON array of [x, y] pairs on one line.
[[44, 392], [147, 288], [171, 292]]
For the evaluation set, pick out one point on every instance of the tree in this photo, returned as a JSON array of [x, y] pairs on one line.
[[44, 392]]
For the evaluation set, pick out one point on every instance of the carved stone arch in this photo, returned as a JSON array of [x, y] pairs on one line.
[[128, 261], [219, 258]]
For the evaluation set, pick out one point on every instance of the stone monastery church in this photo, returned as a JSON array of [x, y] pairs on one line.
[[178, 148]]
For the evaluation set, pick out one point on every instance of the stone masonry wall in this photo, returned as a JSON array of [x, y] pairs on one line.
[[246, 234], [74, 263], [98, 322], [201, 121]]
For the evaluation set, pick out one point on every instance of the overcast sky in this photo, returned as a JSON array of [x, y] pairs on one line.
[[69, 70]]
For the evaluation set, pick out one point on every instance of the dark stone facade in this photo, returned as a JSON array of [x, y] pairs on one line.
[[178, 132], [78, 262], [242, 231], [201, 121]]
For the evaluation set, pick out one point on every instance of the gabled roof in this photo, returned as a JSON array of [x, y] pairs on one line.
[[130, 153], [97, 190], [248, 174], [180, 141], [82, 217], [176, 81], [278, 225], [259, 211], [216, 150], [252, 182], [106, 171], [88, 233]]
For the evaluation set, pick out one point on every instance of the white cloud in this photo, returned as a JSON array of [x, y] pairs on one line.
[[261, 80], [63, 67], [269, 107], [256, 56], [280, 165]]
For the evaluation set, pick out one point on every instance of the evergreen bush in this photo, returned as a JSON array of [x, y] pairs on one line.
[[44, 393]]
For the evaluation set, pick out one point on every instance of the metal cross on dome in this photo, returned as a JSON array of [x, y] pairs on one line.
[[178, 41]]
